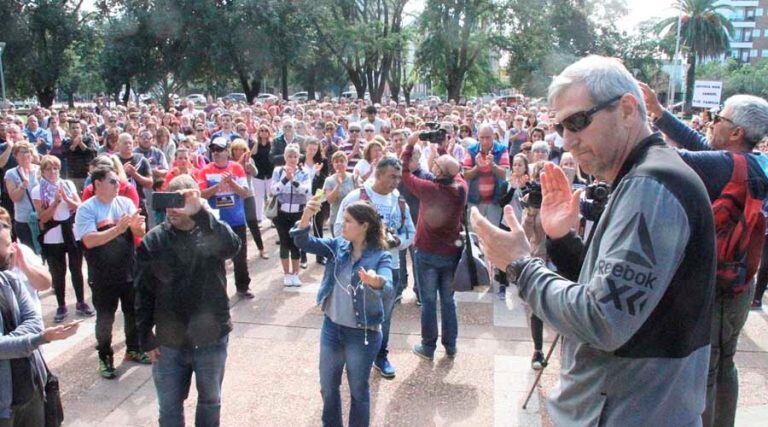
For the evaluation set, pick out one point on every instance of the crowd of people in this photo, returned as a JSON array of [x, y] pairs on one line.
[[387, 182]]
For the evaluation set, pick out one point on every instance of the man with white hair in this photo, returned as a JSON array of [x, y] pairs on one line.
[[634, 303], [737, 129], [485, 169], [287, 137]]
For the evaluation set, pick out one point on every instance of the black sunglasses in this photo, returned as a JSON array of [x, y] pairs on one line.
[[579, 121], [217, 149]]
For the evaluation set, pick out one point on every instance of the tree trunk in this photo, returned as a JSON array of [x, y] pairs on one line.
[[284, 80], [311, 83], [407, 88], [127, 94], [71, 100], [453, 87], [690, 79], [45, 96]]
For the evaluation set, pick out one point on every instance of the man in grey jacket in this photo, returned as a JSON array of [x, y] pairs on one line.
[[636, 321]]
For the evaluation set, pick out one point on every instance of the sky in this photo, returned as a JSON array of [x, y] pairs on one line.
[[642, 10]]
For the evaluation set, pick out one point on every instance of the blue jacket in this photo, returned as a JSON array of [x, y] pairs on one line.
[[500, 188], [22, 342], [714, 167], [369, 310], [40, 133]]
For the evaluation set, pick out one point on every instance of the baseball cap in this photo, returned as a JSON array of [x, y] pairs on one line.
[[220, 142]]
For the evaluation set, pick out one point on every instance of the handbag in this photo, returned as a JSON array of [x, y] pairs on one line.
[[54, 412], [33, 222], [273, 206], [471, 270]]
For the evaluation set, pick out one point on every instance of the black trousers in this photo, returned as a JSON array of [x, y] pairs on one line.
[[537, 332], [242, 278], [105, 298], [283, 223], [56, 256]]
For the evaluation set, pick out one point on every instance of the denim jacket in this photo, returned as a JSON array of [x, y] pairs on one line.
[[369, 310], [22, 342]]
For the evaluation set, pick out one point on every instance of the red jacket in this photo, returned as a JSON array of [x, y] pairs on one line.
[[441, 206]]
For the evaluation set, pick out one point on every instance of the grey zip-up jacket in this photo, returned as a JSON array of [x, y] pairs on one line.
[[636, 323]]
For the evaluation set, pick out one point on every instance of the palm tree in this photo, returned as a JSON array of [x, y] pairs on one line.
[[704, 33]]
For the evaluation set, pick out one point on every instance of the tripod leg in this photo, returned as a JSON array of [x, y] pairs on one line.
[[538, 377]]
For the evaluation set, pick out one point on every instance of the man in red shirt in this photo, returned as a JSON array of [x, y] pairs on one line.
[[485, 168], [438, 229]]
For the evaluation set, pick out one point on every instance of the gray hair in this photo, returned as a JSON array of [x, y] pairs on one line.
[[182, 182], [292, 148], [604, 79], [540, 146], [486, 126], [751, 114]]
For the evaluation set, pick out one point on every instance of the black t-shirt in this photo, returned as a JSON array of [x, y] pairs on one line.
[[22, 381], [142, 167]]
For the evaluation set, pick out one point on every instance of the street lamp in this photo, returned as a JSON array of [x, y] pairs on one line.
[[2, 77]]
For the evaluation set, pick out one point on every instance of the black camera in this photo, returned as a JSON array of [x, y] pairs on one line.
[[596, 197], [533, 190], [392, 240], [435, 135]]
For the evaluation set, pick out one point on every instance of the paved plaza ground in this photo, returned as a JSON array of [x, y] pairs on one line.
[[272, 379]]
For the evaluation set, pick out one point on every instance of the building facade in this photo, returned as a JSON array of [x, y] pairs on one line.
[[749, 41]]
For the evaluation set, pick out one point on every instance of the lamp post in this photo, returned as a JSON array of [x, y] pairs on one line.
[[2, 77]]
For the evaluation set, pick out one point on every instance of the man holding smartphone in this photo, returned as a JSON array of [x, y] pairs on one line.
[[181, 292], [107, 224]]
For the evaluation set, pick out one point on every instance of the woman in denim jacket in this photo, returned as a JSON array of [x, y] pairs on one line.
[[357, 276]]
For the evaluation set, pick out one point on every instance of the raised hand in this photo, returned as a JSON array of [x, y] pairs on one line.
[[559, 206], [370, 278], [500, 247], [651, 100]]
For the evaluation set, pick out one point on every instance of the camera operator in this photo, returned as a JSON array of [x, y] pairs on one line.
[[441, 205], [485, 169], [396, 218], [636, 323]]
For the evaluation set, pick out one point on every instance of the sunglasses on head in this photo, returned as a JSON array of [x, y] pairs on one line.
[[580, 120]]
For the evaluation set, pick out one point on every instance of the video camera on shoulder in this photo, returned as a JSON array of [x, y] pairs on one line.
[[435, 135], [533, 192], [596, 197]]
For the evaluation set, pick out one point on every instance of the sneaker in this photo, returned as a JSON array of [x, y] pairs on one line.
[[502, 293], [107, 367], [386, 370], [537, 361], [399, 299], [245, 294], [287, 280], [451, 352], [138, 357], [83, 309], [756, 304], [296, 281], [61, 314], [303, 264], [322, 261], [420, 351]]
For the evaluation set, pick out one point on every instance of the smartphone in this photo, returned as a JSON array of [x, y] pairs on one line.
[[162, 200], [74, 322]]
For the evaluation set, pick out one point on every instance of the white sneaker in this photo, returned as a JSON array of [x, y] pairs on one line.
[[296, 281], [287, 280]]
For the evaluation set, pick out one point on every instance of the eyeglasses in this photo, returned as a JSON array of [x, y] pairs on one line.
[[579, 121], [369, 131], [354, 131], [717, 118], [217, 149]]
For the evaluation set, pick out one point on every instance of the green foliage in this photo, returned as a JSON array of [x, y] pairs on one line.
[[737, 78], [456, 37]]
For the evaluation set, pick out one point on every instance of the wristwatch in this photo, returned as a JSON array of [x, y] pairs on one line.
[[516, 267]]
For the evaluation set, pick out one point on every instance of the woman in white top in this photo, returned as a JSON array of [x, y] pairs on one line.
[[242, 155], [56, 201], [372, 153]]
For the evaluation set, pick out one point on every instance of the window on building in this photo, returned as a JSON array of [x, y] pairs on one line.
[[755, 33], [764, 53], [735, 54], [745, 55], [759, 11], [753, 53]]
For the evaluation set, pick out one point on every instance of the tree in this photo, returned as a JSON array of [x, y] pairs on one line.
[[704, 33], [737, 78], [363, 36], [39, 33], [455, 37], [82, 74]]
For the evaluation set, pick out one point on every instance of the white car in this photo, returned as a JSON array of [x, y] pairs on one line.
[[299, 96], [263, 97], [197, 98]]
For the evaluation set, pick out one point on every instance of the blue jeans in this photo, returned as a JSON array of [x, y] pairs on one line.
[[339, 346], [173, 373], [389, 310], [435, 274], [404, 272]]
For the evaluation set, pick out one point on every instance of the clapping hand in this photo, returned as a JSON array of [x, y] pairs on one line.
[[499, 246], [130, 170], [559, 206], [370, 278]]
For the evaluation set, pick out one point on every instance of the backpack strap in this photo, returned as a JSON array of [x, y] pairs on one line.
[[739, 168]]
